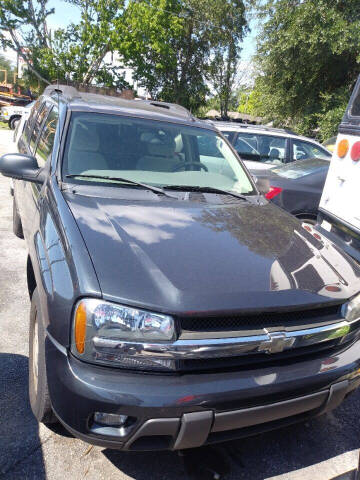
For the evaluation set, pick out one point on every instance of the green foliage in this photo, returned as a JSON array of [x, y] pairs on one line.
[[76, 53], [248, 101], [175, 46], [230, 15], [308, 54]]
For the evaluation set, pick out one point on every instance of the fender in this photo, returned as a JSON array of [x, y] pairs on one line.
[[63, 271]]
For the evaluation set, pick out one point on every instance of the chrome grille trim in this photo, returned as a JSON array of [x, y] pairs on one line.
[[268, 342]]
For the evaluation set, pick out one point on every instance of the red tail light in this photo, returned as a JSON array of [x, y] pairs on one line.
[[273, 191], [355, 152]]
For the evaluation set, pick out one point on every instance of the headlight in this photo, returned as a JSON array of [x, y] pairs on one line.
[[351, 310], [112, 334], [5, 113]]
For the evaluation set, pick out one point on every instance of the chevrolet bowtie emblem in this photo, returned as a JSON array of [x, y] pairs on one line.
[[277, 342]]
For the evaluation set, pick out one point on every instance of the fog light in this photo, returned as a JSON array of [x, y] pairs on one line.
[[110, 419]]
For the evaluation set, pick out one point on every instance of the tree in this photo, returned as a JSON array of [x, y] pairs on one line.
[[172, 44], [14, 16], [309, 58], [75, 53], [228, 18]]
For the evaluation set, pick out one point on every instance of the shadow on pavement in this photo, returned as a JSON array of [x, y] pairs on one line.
[[258, 457], [20, 448]]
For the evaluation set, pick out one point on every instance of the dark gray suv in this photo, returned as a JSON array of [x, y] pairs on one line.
[[172, 306]]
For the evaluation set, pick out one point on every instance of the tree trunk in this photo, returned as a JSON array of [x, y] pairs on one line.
[[17, 48]]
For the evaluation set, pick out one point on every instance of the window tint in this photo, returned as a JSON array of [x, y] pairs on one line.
[[154, 152], [261, 148], [37, 126], [46, 140], [208, 146], [30, 120], [304, 150], [228, 135]]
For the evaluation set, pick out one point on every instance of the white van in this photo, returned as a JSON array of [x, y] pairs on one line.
[[339, 208]]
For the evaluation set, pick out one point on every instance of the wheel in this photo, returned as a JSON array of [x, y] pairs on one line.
[[38, 386], [17, 225], [13, 122]]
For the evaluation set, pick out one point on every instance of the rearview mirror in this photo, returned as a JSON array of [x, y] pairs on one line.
[[21, 167]]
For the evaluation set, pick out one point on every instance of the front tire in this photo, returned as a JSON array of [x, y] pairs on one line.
[[38, 386], [13, 122]]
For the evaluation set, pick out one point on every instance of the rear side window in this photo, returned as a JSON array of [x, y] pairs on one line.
[[37, 126], [46, 140], [304, 150]]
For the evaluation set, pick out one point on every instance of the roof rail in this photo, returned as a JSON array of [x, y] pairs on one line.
[[70, 91], [74, 89], [66, 90], [257, 127], [171, 106]]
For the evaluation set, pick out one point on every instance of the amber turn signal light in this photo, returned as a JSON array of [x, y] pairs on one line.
[[80, 327], [343, 148]]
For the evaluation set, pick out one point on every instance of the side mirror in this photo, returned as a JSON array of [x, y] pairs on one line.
[[21, 167]]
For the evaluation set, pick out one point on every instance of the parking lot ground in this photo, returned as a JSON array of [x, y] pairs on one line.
[[322, 449]]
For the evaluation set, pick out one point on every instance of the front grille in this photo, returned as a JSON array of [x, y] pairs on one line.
[[211, 326], [258, 360], [256, 321]]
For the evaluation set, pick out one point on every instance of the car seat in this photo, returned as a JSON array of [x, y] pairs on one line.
[[84, 150], [159, 157]]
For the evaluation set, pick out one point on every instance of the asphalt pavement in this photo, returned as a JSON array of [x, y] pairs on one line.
[[322, 449]]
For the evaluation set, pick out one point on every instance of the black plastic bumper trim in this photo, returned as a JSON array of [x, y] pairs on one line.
[[194, 430], [155, 427], [275, 411]]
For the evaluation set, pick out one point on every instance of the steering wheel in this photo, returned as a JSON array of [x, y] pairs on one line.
[[181, 165]]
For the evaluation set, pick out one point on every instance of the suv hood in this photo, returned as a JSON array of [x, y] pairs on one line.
[[187, 256]]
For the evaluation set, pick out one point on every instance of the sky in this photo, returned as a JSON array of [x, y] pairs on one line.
[[66, 13]]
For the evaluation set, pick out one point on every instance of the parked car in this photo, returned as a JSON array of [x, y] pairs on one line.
[[12, 114], [265, 147], [172, 305], [296, 187]]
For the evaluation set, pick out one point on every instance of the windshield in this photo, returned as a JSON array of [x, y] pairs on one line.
[[301, 168], [152, 152]]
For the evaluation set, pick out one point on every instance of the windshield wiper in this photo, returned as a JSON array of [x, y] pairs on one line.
[[198, 188], [121, 179]]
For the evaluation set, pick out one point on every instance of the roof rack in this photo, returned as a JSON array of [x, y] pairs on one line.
[[72, 91], [171, 106], [66, 90], [259, 127]]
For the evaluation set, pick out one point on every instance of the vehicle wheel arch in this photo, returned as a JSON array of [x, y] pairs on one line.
[[306, 217], [12, 119]]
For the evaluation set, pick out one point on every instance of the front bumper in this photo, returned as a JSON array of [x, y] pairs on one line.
[[190, 410]]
